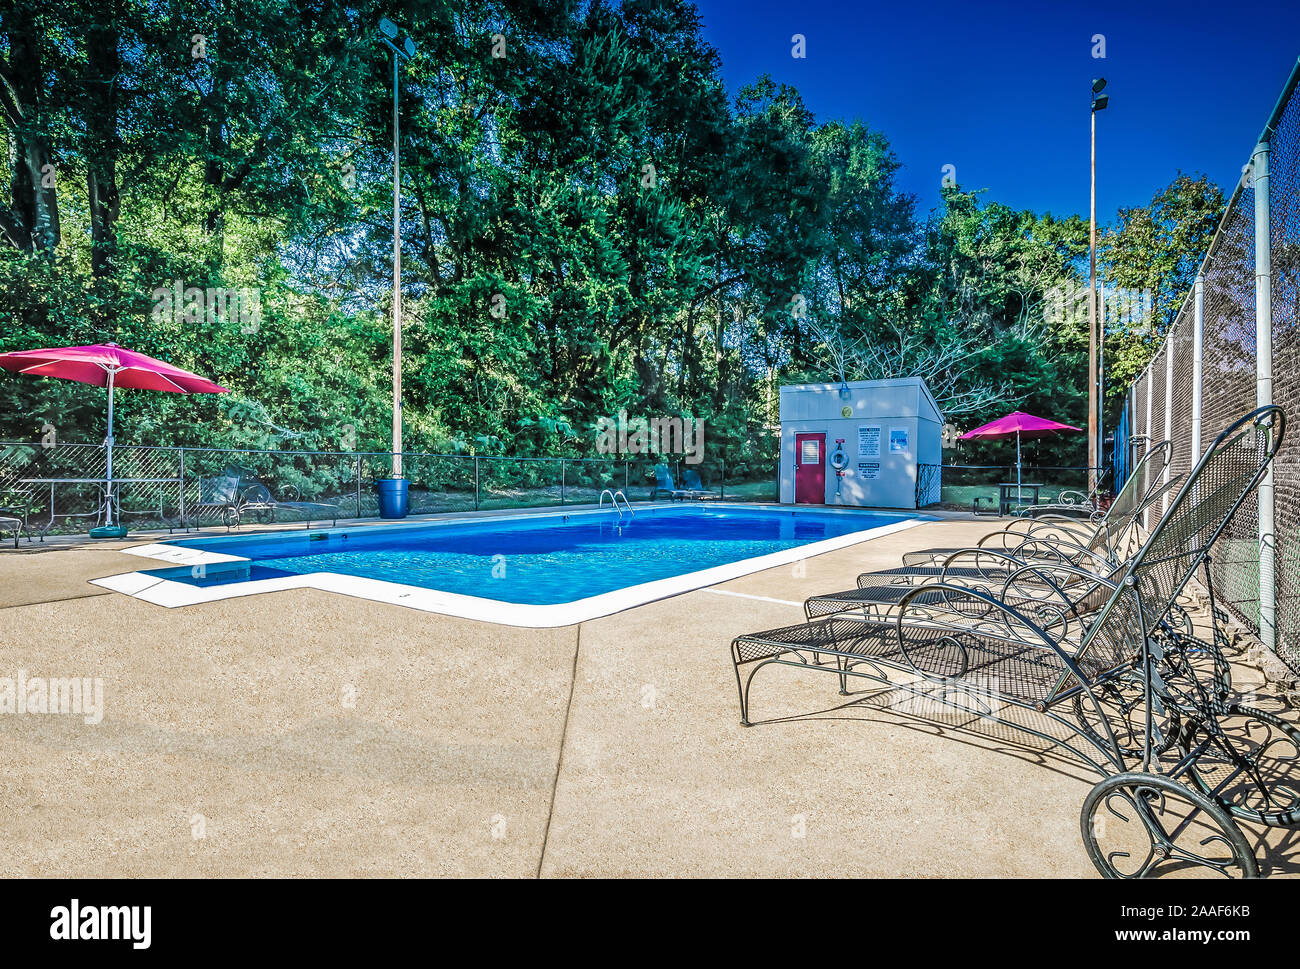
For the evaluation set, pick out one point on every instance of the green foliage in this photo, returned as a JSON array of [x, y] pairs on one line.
[[588, 224]]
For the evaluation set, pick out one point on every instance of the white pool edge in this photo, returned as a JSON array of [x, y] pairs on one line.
[[171, 594]]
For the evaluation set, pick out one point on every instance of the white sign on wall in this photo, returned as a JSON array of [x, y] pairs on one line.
[[898, 439], [869, 441], [869, 470]]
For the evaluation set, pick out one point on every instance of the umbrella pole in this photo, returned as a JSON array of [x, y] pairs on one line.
[[1020, 499], [108, 487]]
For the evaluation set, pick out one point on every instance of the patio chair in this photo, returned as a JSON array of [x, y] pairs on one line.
[[1128, 692], [257, 499]]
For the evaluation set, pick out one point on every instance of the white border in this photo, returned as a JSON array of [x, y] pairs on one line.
[[171, 594]]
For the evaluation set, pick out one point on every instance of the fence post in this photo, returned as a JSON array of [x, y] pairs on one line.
[[723, 492], [1146, 514], [627, 477], [476, 482], [1169, 403], [562, 470], [358, 457], [1264, 388], [182, 488], [1198, 357]]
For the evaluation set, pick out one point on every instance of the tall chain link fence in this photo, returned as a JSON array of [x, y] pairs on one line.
[[1284, 246], [1209, 372]]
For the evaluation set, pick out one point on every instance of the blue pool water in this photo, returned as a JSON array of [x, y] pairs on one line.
[[540, 561]]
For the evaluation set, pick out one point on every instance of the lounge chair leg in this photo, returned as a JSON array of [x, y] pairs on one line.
[[742, 688], [843, 665]]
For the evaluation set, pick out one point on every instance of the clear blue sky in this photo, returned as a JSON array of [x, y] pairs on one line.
[[1000, 88]]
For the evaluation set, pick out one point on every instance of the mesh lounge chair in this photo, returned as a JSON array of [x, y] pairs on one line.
[[1128, 692], [1101, 537], [219, 496], [256, 499], [1050, 577]]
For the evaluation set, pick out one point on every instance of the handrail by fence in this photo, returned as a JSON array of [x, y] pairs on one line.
[[1235, 345]]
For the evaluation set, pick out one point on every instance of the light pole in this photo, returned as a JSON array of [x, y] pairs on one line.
[[1095, 337], [388, 34]]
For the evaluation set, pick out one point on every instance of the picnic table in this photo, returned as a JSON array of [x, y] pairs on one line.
[[1012, 494]]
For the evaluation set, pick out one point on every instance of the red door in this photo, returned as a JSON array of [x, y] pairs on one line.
[[810, 469]]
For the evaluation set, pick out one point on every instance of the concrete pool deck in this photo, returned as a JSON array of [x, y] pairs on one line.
[[307, 733]]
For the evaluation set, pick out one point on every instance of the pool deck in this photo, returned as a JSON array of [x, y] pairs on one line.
[[307, 733]]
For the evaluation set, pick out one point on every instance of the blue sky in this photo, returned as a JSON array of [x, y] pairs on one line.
[[999, 89]]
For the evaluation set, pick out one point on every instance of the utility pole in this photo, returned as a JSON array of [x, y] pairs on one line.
[[1095, 335], [389, 32]]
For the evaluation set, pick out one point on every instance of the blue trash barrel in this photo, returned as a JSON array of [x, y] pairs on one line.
[[392, 497]]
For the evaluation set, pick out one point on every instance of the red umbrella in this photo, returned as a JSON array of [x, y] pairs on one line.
[[108, 365], [1021, 425]]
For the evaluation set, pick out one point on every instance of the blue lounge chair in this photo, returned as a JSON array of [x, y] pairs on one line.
[[664, 486], [691, 482]]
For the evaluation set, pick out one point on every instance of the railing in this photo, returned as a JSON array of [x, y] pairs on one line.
[[60, 487], [1234, 344]]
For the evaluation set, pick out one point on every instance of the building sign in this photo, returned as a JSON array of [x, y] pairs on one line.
[[869, 470], [868, 441], [898, 439]]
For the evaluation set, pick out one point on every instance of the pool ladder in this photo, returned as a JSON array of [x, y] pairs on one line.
[[614, 496]]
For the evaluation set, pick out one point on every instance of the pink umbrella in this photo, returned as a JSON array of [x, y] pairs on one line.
[[1021, 425], [108, 365]]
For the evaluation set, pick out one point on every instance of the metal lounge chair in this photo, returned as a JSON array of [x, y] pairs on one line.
[[257, 499], [1139, 491], [1129, 690], [219, 497]]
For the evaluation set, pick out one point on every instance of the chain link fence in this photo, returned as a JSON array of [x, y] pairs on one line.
[[1210, 370], [58, 487]]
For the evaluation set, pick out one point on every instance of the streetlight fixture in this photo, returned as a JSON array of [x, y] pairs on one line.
[[393, 491], [1095, 336]]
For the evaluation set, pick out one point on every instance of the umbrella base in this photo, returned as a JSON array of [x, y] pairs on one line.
[[108, 531]]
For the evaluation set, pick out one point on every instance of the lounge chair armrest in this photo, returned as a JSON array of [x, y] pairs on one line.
[[257, 494], [1067, 595], [995, 561], [1051, 526], [1062, 551], [1074, 498], [965, 610]]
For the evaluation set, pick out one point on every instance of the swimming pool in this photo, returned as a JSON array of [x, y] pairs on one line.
[[538, 569]]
